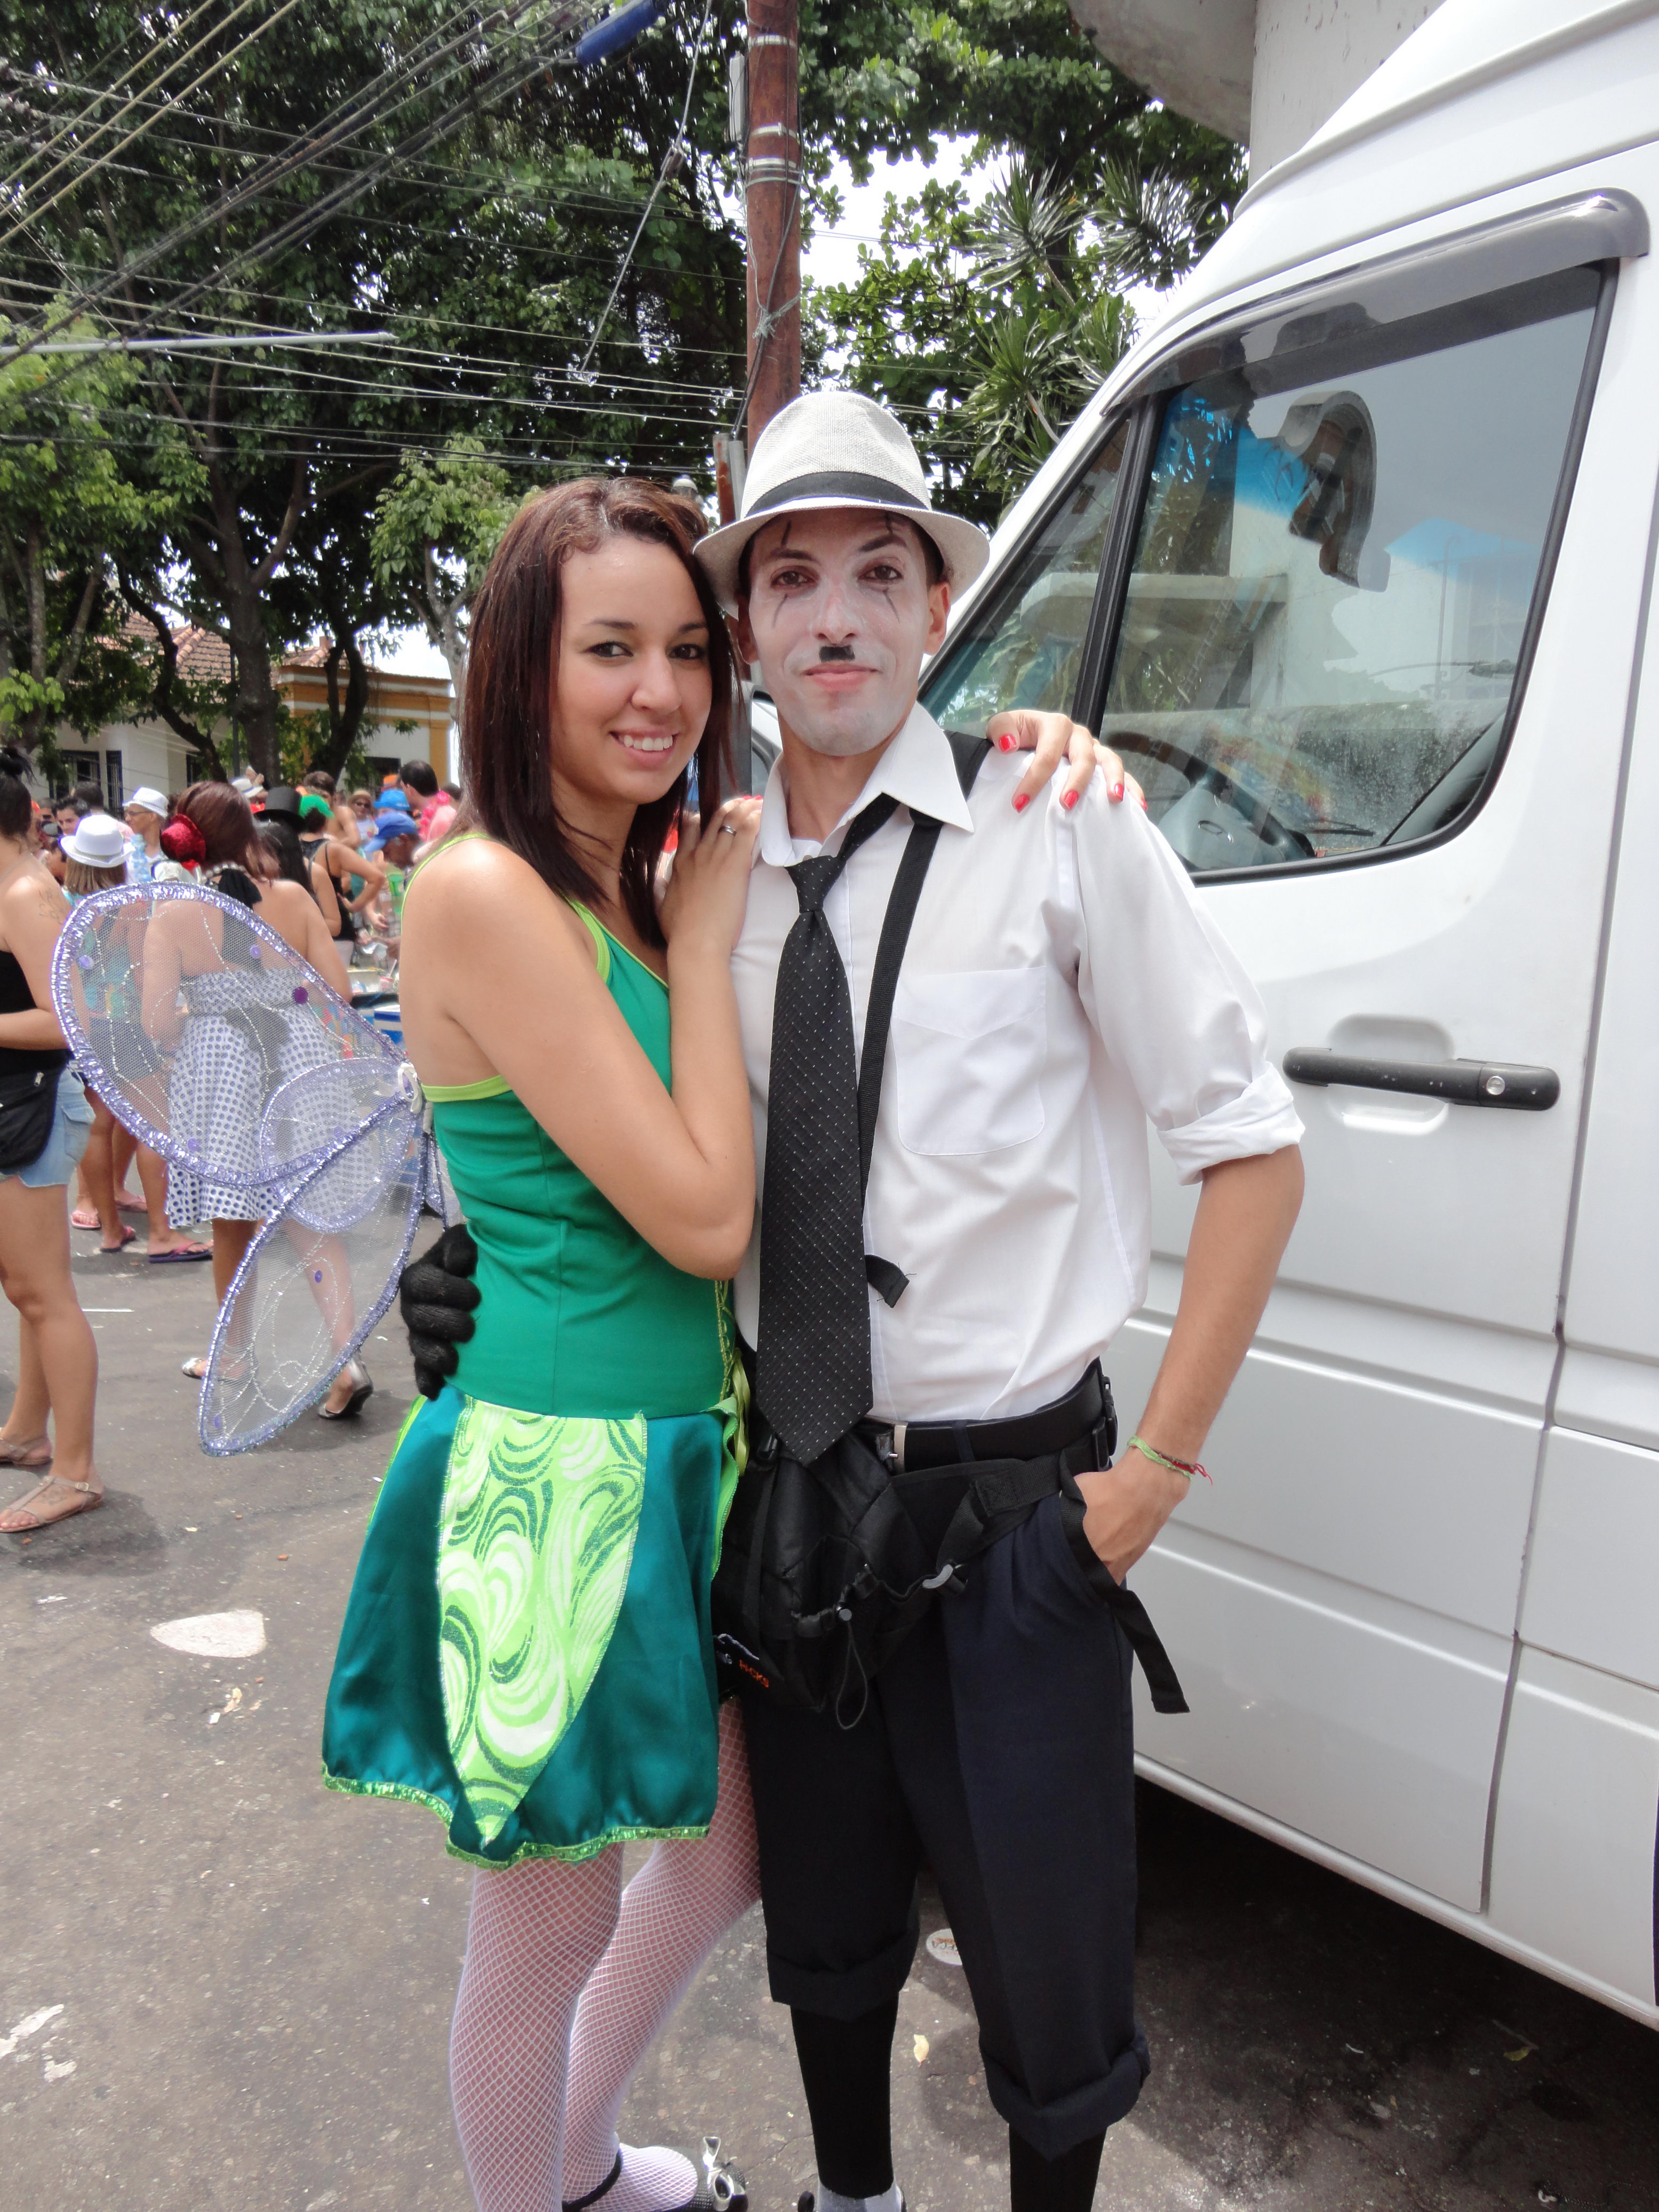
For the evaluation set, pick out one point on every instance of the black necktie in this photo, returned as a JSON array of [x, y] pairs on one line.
[[812, 1362]]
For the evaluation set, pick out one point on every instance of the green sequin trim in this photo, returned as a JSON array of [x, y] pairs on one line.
[[571, 1852], [535, 1541], [450, 1094]]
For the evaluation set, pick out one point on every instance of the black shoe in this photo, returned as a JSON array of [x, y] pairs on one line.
[[806, 2201]]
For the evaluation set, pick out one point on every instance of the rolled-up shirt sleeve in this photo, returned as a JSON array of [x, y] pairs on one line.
[[1168, 998]]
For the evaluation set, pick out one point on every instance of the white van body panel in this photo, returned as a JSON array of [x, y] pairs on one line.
[[1572, 1844], [1545, 87], [1416, 1614], [1595, 1536]]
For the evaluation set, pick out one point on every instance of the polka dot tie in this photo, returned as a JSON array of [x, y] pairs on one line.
[[812, 1362]]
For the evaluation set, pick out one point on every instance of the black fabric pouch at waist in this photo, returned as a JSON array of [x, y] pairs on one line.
[[825, 1569], [28, 1099]]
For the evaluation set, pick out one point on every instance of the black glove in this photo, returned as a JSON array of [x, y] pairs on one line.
[[437, 1297]]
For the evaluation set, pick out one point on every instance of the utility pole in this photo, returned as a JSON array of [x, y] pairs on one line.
[[773, 203]]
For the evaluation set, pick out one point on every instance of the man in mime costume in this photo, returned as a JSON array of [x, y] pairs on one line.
[[948, 1302]]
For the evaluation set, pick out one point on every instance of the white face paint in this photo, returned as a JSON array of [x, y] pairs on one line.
[[839, 615]]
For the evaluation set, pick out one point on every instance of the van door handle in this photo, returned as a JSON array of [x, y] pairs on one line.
[[1461, 1082]]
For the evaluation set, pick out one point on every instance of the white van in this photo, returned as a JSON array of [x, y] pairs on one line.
[[1352, 561]]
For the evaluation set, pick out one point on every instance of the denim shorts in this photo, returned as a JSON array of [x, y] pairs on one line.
[[71, 1126]]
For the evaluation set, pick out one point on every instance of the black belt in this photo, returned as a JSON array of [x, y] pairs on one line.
[[1065, 1426], [965, 1484]]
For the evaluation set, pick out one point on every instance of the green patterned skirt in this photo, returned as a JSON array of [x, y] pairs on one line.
[[526, 1646]]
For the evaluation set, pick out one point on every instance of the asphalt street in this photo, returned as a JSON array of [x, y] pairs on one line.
[[221, 1986]]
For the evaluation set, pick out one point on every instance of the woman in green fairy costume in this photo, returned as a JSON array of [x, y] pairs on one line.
[[526, 1648]]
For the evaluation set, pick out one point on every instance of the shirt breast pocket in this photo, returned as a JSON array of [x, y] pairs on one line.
[[968, 1054]]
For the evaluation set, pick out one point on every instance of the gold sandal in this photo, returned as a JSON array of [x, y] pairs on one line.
[[90, 1497]]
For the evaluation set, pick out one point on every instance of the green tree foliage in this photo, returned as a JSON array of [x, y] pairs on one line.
[[467, 218], [990, 331], [73, 513], [435, 527], [492, 194]]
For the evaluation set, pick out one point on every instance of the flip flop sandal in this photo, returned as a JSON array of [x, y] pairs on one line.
[[178, 1254], [84, 1218], [129, 1204], [128, 1236], [196, 1368], [89, 1498]]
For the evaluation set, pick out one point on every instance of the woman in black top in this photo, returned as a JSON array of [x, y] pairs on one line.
[[332, 866], [56, 1357]]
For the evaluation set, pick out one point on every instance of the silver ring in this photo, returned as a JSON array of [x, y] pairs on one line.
[[727, 830]]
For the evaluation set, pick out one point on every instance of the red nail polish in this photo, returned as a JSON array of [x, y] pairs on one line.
[[1022, 802], [1143, 802], [1117, 792], [1069, 801], [1004, 743]]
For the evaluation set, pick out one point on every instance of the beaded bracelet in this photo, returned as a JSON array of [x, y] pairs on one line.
[[1175, 1466]]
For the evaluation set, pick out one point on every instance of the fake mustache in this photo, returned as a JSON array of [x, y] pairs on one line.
[[836, 653]]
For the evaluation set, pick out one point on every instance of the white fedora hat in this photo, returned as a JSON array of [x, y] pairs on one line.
[[97, 841], [837, 449]]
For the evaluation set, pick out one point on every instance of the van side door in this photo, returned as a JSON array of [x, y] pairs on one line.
[[1364, 629]]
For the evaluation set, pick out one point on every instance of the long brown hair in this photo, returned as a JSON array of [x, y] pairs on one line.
[[507, 731], [226, 822]]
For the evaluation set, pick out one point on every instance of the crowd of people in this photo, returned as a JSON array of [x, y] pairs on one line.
[[326, 869]]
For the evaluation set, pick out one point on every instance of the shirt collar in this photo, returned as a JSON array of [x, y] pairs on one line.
[[918, 768]]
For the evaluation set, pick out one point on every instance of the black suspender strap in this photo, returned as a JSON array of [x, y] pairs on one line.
[[886, 1279]]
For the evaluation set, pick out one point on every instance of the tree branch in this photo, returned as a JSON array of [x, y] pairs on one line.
[[290, 521], [161, 698], [74, 644]]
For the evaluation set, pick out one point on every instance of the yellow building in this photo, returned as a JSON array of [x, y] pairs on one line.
[[407, 718]]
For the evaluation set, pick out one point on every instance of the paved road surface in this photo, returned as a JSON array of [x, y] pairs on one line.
[[248, 1980]]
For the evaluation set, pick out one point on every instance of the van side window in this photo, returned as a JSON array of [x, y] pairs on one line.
[[1333, 576], [1022, 646]]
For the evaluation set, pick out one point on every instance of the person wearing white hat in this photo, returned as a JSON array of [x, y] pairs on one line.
[[939, 1260], [97, 842], [144, 813]]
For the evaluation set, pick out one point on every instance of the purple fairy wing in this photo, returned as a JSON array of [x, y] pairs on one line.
[[193, 1020], [314, 1281]]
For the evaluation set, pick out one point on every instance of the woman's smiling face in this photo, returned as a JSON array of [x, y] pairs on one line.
[[632, 686]]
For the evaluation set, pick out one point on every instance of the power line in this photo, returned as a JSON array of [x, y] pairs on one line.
[[190, 344], [429, 318], [671, 162], [100, 95], [33, 215], [348, 120], [505, 182]]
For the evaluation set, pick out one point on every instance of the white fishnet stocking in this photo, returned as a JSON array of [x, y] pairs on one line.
[[535, 1935], [673, 1913]]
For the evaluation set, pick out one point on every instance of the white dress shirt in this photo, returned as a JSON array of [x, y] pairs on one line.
[[1062, 988]]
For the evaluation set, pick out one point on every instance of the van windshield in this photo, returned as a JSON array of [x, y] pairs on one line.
[[1332, 580], [1024, 643]]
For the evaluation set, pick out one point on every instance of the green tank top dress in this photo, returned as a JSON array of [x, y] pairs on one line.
[[527, 1648]]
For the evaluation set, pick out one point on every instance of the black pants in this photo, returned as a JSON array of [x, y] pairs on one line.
[[997, 1747]]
